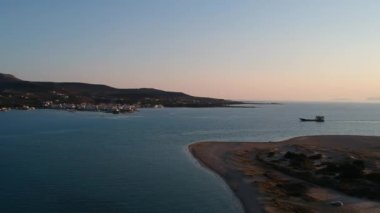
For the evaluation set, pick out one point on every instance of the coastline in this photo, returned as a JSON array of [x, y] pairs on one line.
[[216, 166], [263, 187]]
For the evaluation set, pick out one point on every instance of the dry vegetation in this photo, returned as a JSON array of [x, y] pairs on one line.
[[305, 174]]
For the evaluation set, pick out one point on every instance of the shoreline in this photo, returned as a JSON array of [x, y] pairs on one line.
[[263, 186], [247, 204], [201, 166]]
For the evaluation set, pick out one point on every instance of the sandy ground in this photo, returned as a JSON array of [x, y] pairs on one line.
[[263, 188]]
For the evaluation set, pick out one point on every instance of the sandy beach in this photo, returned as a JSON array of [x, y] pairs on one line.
[[303, 174]]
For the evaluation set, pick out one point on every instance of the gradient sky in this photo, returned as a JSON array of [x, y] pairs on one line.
[[313, 50]]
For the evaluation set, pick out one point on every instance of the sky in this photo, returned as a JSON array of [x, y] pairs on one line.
[[294, 50]]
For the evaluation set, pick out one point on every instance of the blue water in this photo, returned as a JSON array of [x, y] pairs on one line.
[[56, 161]]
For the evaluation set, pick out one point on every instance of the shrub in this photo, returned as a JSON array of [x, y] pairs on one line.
[[293, 189], [352, 169], [315, 157], [270, 154], [374, 177], [299, 160]]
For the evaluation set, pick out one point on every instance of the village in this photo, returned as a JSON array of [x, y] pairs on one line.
[[106, 108]]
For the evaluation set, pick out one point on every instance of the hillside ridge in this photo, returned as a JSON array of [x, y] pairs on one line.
[[16, 92]]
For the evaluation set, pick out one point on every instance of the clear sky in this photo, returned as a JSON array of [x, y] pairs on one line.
[[314, 50]]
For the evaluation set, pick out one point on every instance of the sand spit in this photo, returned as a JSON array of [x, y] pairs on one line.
[[303, 174]]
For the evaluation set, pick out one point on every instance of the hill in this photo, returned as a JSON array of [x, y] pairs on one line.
[[15, 93], [8, 77]]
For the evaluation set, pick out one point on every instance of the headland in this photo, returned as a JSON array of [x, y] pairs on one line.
[[76, 96]]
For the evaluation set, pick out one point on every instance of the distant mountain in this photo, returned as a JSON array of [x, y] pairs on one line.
[[14, 91]]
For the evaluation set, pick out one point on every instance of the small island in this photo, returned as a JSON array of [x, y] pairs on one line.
[[303, 174]]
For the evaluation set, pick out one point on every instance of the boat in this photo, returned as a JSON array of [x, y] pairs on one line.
[[317, 118]]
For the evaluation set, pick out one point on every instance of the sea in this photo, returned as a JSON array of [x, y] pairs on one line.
[[58, 161]]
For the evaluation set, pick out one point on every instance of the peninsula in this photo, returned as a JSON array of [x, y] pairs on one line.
[[20, 94], [303, 174]]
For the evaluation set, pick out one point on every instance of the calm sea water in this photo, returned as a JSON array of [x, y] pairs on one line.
[[55, 161]]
